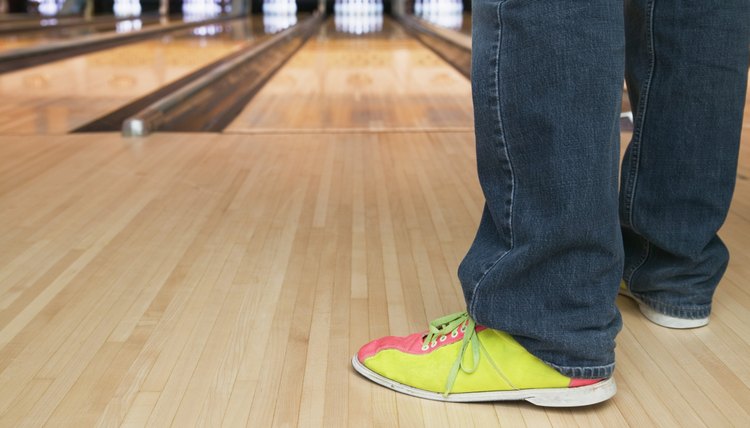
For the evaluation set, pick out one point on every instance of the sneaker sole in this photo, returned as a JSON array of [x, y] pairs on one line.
[[546, 397], [664, 320]]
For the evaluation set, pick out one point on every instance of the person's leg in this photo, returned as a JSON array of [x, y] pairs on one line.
[[544, 269], [547, 258], [687, 64]]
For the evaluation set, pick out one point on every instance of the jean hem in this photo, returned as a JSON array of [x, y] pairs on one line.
[[692, 312], [597, 372]]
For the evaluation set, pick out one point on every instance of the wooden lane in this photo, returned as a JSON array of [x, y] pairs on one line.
[[227, 279], [52, 34], [384, 81], [63, 95]]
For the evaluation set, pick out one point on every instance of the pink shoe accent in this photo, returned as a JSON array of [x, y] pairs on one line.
[[411, 344], [575, 383]]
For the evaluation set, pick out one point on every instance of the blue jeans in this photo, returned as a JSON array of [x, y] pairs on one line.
[[556, 236]]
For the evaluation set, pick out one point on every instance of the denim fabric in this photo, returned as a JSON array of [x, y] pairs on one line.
[[549, 254], [686, 71]]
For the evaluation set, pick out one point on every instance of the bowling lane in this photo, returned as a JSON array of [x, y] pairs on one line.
[[63, 95], [448, 14], [15, 19], [35, 38], [347, 79]]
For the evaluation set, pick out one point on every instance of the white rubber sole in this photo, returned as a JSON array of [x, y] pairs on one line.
[[547, 397], [664, 320]]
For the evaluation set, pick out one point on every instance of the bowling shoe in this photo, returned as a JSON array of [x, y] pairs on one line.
[[460, 361], [659, 318]]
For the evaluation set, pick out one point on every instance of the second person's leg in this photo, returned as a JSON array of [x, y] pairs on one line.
[[686, 71]]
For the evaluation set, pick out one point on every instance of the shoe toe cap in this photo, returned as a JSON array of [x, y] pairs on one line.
[[411, 344]]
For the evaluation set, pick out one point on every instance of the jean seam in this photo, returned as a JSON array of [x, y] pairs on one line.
[[472, 309], [631, 183], [630, 274]]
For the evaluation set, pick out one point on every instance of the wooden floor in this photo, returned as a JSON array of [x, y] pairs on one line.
[[227, 279]]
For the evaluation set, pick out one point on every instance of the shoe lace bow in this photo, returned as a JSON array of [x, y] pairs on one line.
[[446, 325]]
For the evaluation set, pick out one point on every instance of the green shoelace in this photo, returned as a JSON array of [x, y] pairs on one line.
[[449, 325]]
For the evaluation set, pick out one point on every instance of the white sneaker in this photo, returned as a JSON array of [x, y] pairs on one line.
[[660, 318]]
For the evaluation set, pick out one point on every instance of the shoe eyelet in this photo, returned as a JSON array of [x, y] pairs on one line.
[[425, 347], [442, 338], [454, 333], [433, 344]]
